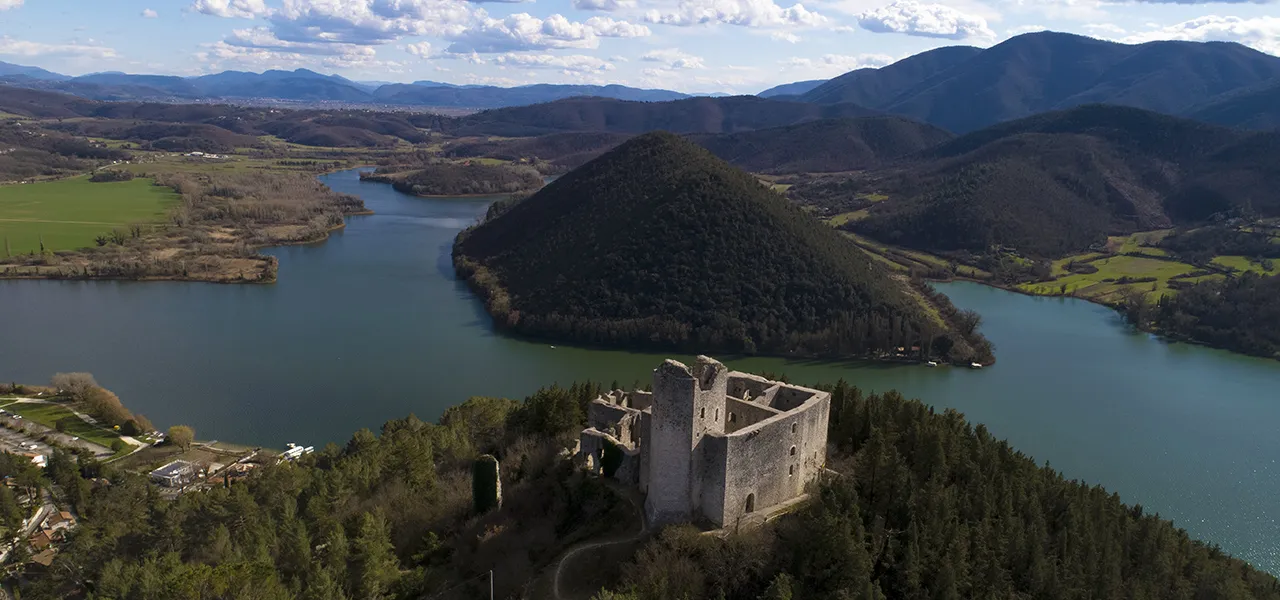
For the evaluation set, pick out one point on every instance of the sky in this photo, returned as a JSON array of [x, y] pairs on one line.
[[694, 46]]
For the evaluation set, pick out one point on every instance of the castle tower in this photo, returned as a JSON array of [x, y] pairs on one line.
[[687, 405]]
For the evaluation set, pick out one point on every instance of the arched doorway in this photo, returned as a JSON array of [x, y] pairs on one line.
[[751, 503]]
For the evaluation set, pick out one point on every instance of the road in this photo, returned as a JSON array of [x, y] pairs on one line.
[[29, 527], [644, 529]]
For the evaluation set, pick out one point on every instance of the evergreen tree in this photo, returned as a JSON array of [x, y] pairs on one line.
[[374, 567]]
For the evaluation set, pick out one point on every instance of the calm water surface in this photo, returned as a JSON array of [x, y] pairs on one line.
[[371, 326]]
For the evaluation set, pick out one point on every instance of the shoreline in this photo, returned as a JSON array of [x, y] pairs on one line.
[[271, 263], [1159, 333]]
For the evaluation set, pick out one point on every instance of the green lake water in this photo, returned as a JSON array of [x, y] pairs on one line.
[[371, 325]]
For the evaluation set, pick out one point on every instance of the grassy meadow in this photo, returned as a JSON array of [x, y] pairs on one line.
[[49, 415], [70, 213]]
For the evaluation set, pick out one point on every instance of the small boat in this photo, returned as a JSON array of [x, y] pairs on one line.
[[931, 364], [975, 366], [553, 347]]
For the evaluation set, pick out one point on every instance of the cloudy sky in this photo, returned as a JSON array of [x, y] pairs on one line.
[[739, 46]]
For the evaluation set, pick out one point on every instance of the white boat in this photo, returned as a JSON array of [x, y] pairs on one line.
[[975, 366], [931, 364], [553, 347]]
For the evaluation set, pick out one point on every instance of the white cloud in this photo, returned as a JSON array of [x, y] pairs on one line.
[[1104, 29], [607, 5], [1190, 1], [1016, 31], [231, 9], [925, 20], [261, 38], [830, 65], [784, 36], [1259, 33], [8, 4], [606, 27], [747, 13], [574, 63], [419, 49], [370, 21], [89, 49], [150, 14], [523, 31], [222, 55], [673, 58]]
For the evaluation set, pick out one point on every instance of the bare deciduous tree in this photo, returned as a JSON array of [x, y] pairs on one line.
[[77, 384]]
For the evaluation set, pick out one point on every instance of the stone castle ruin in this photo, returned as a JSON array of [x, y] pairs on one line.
[[709, 444]]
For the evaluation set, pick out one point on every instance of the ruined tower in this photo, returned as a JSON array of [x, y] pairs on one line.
[[688, 404]]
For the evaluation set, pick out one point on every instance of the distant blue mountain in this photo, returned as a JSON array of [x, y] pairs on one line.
[[7, 69], [430, 93], [791, 89], [306, 85]]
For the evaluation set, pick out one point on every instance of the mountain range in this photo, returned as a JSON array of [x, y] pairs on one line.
[[1057, 183], [308, 86], [963, 89], [957, 88]]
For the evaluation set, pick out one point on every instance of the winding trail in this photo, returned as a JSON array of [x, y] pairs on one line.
[[631, 497]]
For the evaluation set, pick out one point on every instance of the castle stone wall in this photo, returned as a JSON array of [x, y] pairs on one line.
[[760, 463]]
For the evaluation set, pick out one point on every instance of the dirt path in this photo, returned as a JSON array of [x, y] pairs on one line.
[[568, 556]]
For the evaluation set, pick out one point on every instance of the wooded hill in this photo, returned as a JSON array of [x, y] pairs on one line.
[[562, 151], [464, 179], [658, 244], [1057, 183], [216, 127], [1256, 107], [692, 115], [824, 145], [963, 89]]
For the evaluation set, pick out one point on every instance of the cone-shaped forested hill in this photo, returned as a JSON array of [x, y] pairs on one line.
[[659, 244]]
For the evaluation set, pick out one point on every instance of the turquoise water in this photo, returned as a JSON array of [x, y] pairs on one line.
[[371, 326]]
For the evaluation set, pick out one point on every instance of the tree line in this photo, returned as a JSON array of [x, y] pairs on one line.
[[929, 506]]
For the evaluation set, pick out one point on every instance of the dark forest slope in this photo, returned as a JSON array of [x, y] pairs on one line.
[[1044, 71], [1057, 183], [692, 115], [823, 146], [875, 87], [826, 145], [1257, 107], [659, 244], [563, 151]]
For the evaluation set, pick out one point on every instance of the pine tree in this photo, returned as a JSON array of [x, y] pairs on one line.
[[374, 567]]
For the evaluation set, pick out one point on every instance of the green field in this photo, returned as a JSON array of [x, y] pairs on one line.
[[1242, 264], [843, 218], [49, 415], [69, 213], [1093, 286]]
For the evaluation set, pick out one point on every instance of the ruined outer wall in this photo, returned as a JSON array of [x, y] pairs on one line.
[[670, 444], [758, 459], [708, 419]]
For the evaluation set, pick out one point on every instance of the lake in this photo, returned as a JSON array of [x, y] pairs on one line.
[[371, 325]]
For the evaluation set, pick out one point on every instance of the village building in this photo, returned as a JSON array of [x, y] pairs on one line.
[[175, 474], [708, 444]]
